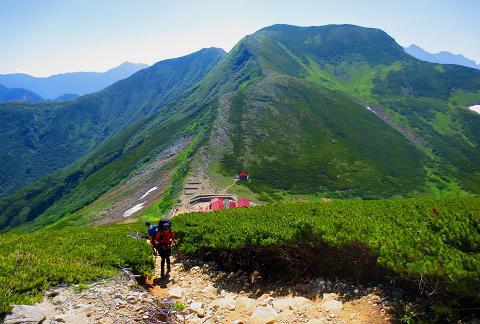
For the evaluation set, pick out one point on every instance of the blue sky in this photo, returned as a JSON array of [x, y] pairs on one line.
[[43, 37]]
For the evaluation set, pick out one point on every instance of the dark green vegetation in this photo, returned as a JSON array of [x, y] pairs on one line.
[[295, 137], [432, 244], [63, 193], [39, 139], [31, 263], [18, 94], [329, 149]]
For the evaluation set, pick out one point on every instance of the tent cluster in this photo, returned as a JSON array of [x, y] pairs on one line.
[[221, 203]]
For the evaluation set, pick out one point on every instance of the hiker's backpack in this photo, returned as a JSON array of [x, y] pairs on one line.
[[152, 231], [164, 224], [164, 238]]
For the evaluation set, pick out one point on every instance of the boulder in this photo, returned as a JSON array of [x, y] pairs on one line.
[[291, 303], [59, 300], [228, 302], [132, 299], [208, 290], [53, 293], [263, 315], [332, 306], [25, 314], [82, 307], [264, 300], [197, 308], [106, 320], [331, 296], [176, 292], [195, 269], [245, 304]]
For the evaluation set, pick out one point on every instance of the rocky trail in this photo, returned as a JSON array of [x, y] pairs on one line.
[[197, 292], [213, 296]]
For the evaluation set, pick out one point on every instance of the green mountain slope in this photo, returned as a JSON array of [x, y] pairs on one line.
[[61, 196], [289, 105], [38, 139], [283, 131], [296, 136]]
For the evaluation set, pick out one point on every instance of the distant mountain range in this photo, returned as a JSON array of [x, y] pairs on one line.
[[78, 83], [38, 139], [67, 97], [337, 111], [18, 95], [441, 57]]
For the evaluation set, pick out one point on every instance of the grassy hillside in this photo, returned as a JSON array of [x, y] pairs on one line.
[[61, 196], [31, 263], [38, 139], [335, 146], [283, 128]]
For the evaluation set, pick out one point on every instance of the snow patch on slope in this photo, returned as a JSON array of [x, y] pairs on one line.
[[475, 108], [133, 210], [148, 192]]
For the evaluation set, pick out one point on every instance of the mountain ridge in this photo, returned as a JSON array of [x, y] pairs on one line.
[[442, 57], [18, 95], [79, 83], [289, 105], [50, 135]]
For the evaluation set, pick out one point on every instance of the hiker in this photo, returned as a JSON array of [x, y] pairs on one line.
[[152, 231], [164, 239]]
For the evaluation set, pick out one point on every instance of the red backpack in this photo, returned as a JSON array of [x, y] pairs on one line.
[[164, 239]]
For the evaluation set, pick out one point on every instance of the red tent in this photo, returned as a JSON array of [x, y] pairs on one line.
[[216, 204], [243, 202], [233, 204]]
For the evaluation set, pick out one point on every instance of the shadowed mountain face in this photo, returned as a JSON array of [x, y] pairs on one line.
[[332, 111], [79, 83], [39, 139], [18, 95], [441, 57]]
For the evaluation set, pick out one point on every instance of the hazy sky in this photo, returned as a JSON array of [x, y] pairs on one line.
[[43, 37]]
